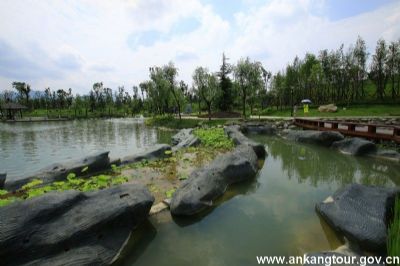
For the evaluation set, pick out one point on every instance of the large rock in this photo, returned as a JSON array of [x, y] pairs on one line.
[[387, 155], [329, 108], [3, 177], [238, 138], [56, 172], [71, 227], [355, 146], [185, 138], [154, 152], [257, 128], [323, 138], [210, 182], [359, 213]]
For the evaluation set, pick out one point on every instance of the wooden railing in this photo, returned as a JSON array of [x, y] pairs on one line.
[[368, 131]]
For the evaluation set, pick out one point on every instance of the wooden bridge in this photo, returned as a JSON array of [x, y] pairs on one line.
[[355, 129]]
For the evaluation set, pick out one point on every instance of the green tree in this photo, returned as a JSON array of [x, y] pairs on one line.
[[23, 89], [225, 101], [207, 87], [392, 62], [170, 73], [378, 71]]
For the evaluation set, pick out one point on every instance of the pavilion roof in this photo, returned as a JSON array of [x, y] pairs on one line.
[[12, 106]]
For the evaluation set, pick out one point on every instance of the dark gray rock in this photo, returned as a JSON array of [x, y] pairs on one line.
[[323, 138], [387, 155], [56, 172], [264, 129], [359, 213], [155, 152], [238, 138], [185, 138], [3, 177], [210, 182], [71, 227], [355, 146]]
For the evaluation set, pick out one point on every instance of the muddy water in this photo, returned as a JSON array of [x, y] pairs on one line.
[[271, 215]]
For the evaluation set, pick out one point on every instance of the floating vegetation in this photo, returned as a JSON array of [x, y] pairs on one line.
[[170, 193], [176, 167], [393, 240], [34, 188]]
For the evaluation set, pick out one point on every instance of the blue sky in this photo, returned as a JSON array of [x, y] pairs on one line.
[[75, 43]]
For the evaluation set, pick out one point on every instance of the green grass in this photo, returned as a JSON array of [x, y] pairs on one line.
[[79, 113], [175, 123], [214, 138], [393, 240], [34, 188], [353, 110]]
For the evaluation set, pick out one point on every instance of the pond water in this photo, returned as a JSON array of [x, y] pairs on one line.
[[272, 215], [26, 148]]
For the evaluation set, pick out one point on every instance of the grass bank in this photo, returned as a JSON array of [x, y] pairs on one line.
[[175, 123], [353, 110]]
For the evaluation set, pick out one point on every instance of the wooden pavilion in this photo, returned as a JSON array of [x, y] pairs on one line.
[[10, 110]]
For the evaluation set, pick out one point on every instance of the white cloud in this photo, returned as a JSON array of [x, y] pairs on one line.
[[76, 43]]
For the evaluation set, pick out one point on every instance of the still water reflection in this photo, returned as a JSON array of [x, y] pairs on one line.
[[271, 215], [27, 147]]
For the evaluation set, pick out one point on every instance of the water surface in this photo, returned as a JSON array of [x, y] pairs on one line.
[[26, 148], [272, 215]]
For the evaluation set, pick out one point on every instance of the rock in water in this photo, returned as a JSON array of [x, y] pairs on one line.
[[185, 138], [388, 155], [3, 177], [154, 152], [323, 138], [359, 213], [258, 128], [71, 227], [239, 139], [355, 146], [57, 172], [210, 182]]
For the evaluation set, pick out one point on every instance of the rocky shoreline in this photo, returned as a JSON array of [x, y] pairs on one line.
[[68, 227]]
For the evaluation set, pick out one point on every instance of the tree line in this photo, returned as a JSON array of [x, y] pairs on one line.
[[341, 76]]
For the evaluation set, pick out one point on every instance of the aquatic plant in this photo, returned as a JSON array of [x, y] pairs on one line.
[[393, 240], [214, 138], [170, 193], [33, 188]]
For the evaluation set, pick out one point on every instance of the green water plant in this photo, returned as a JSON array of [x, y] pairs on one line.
[[393, 239], [170, 193], [214, 138], [34, 188]]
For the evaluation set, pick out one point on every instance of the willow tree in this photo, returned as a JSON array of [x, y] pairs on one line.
[[392, 63], [23, 89], [378, 73], [206, 86], [170, 74], [249, 79]]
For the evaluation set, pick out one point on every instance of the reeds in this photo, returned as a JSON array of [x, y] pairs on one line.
[[393, 240]]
